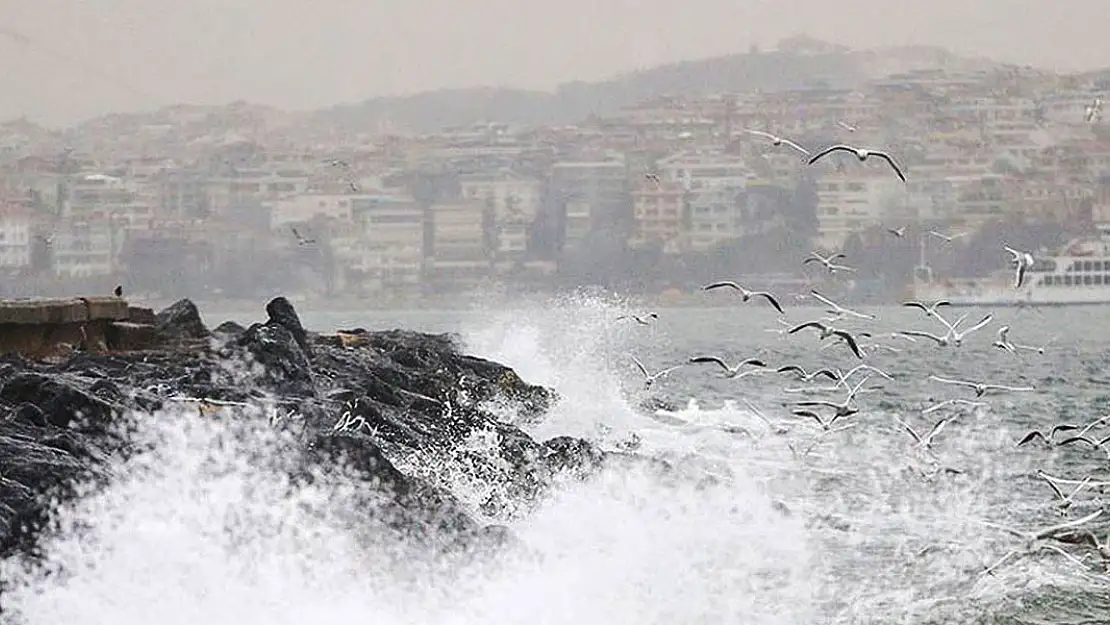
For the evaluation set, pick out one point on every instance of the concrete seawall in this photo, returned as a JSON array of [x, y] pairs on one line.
[[44, 328]]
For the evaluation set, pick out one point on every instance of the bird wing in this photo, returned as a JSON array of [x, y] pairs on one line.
[[851, 341], [937, 378], [911, 304], [824, 300], [925, 335], [724, 283], [1079, 439], [982, 322], [907, 427], [1030, 436], [829, 150], [295, 233], [770, 298], [640, 366], [762, 134], [814, 259], [827, 373], [712, 359], [808, 324], [1049, 531], [796, 146], [786, 368], [755, 362], [886, 157], [937, 427], [815, 402], [1003, 387], [1019, 276], [812, 415]]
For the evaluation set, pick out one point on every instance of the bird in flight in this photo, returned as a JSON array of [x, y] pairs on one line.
[[642, 320], [650, 378], [862, 154], [829, 331], [827, 262], [745, 294], [735, 371], [300, 239], [981, 388], [777, 140]]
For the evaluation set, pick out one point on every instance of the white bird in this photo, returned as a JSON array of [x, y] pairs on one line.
[[731, 371], [953, 337], [898, 232], [846, 126], [829, 331], [981, 388], [642, 320], [1022, 262], [745, 294], [806, 376], [925, 442], [843, 409], [301, 240], [862, 154], [652, 177], [837, 309], [1003, 341], [1031, 537], [827, 262], [1066, 501], [777, 140], [930, 310], [650, 378], [946, 238], [954, 402], [777, 428]]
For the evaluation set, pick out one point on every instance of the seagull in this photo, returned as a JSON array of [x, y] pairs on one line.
[[734, 371], [953, 402], [1066, 501], [301, 240], [846, 126], [1094, 110], [1049, 439], [1088, 537], [650, 378], [644, 320], [953, 337], [925, 442], [47, 240], [777, 140], [805, 376], [778, 428], [829, 331], [946, 238], [825, 425], [843, 409], [1031, 537], [827, 262], [929, 309], [654, 177], [335, 162], [118, 291], [981, 388], [837, 309], [898, 232], [745, 294], [1083, 439], [1021, 262], [862, 154], [842, 377], [1003, 341]]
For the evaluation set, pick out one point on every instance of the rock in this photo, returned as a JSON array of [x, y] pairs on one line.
[[229, 329], [181, 321], [355, 407], [281, 313]]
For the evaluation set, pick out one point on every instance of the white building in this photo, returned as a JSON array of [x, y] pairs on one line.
[[15, 239], [84, 248], [305, 208], [511, 195], [855, 202], [459, 252], [386, 250]]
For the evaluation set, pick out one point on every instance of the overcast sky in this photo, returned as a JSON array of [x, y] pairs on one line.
[[88, 57]]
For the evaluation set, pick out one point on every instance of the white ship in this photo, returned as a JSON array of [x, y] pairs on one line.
[[1078, 274]]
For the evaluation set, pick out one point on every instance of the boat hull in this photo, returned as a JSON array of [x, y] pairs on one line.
[[998, 295]]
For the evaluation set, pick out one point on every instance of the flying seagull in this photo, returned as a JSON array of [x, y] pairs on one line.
[[1031, 537], [929, 309], [301, 240], [847, 126], [862, 154], [953, 337], [777, 140], [644, 320], [1066, 501], [650, 378], [827, 262], [946, 238], [829, 331], [745, 294], [981, 388], [1022, 262], [843, 409], [806, 376], [731, 371], [837, 309], [898, 232], [925, 442]]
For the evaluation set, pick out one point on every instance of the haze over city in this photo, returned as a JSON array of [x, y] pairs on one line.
[[64, 62]]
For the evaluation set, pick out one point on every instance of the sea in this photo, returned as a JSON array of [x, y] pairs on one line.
[[798, 526]]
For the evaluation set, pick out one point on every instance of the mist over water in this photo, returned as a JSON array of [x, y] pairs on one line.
[[201, 529]]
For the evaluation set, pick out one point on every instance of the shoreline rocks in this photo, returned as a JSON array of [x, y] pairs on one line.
[[361, 399]]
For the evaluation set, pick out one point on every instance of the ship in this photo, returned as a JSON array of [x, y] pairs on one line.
[[1079, 273]]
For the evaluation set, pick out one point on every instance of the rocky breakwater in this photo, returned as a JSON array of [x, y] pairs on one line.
[[378, 404]]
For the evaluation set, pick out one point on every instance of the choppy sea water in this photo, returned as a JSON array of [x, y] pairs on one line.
[[854, 526]]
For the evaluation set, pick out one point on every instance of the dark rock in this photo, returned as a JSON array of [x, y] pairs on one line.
[[355, 408], [182, 321], [282, 313], [229, 328]]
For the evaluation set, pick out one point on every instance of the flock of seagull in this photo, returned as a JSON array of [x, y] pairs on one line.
[[834, 415]]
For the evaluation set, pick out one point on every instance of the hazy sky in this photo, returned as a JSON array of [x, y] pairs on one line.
[[88, 57]]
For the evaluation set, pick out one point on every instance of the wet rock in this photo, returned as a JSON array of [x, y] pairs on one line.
[[229, 329], [181, 321], [370, 406]]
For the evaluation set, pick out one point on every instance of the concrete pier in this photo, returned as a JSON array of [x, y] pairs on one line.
[[42, 328]]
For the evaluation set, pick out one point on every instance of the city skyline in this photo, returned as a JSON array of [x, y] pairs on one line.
[[124, 55]]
